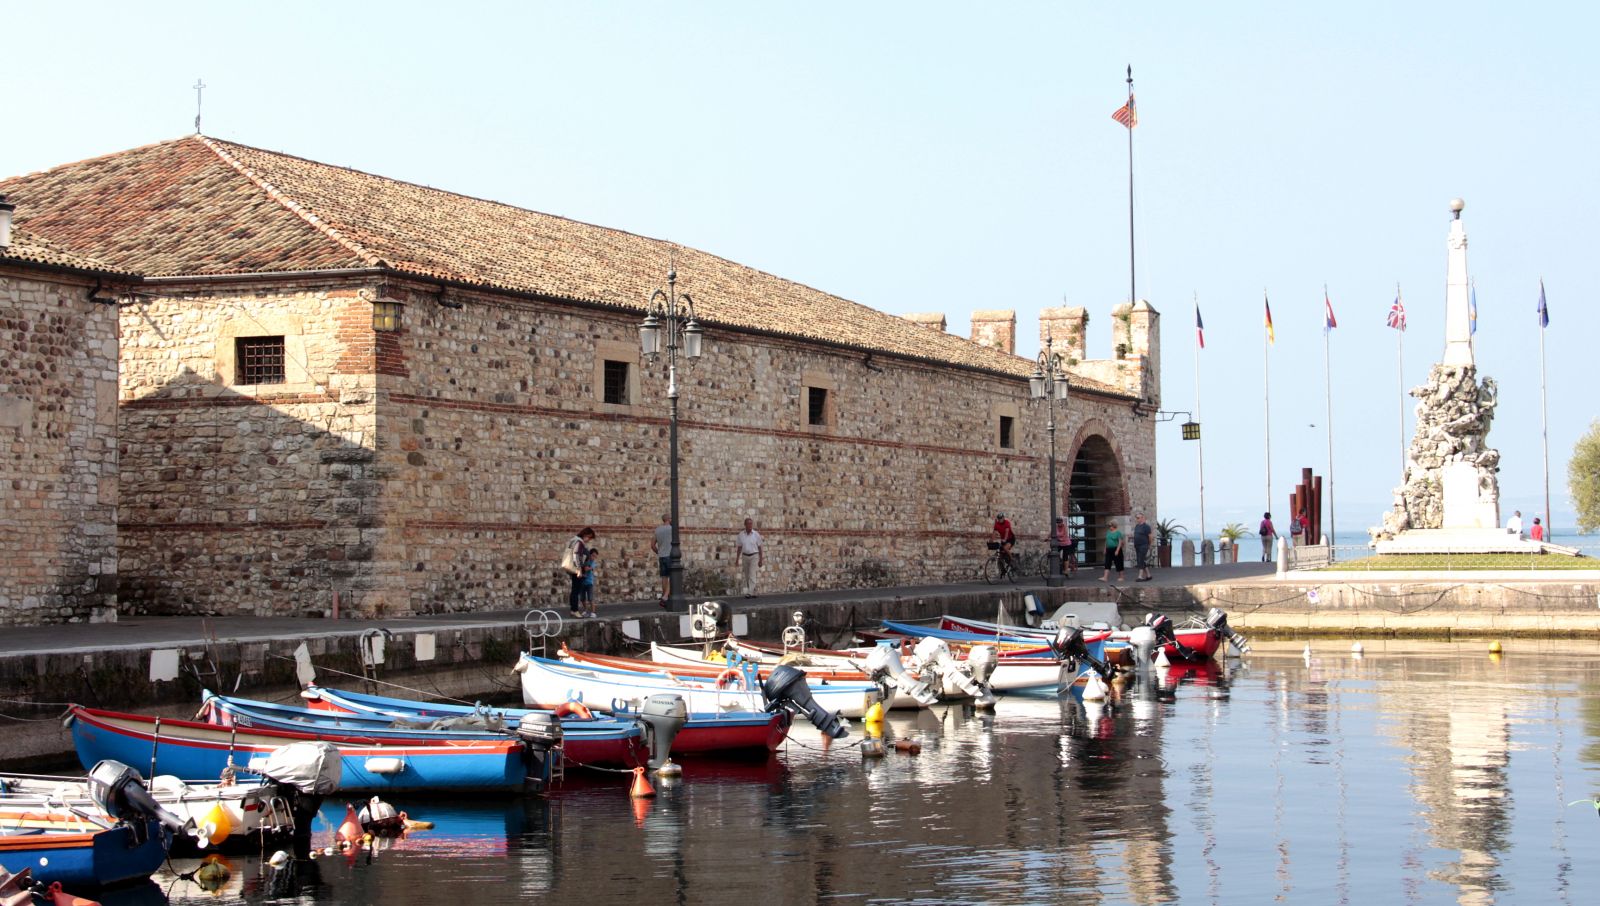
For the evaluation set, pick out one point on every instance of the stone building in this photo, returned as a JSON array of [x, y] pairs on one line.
[[58, 430], [337, 384]]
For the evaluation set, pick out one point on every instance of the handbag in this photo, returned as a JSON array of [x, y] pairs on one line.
[[569, 562]]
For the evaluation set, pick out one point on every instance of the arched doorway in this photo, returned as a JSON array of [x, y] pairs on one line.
[[1095, 494]]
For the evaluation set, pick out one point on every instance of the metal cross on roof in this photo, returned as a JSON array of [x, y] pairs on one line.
[[198, 87]]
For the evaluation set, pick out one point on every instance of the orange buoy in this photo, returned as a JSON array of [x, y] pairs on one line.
[[574, 709], [350, 830], [908, 746], [641, 785], [730, 678]]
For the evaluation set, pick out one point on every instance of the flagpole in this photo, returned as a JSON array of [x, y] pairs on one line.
[[1544, 414], [1400, 358], [1327, 379], [1200, 444], [1133, 296], [1266, 391]]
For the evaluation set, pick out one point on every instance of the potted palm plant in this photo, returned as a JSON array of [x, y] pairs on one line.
[[1233, 531], [1166, 530]]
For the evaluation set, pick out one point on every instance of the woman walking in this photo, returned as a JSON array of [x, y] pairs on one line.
[[1114, 558], [577, 554]]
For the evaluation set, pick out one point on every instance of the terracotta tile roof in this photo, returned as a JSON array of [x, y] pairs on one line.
[[200, 206], [27, 248]]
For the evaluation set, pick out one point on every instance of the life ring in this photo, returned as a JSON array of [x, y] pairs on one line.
[[730, 679]]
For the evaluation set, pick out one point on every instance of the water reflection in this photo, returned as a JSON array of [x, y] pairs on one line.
[[1422, 772]]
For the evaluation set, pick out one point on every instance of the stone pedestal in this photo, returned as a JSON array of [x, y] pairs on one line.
[[1469, 501]]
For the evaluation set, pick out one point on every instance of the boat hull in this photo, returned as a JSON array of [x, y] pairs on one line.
[[616, 743], [80, 859], [547, 683], [706, 733], [197, 751]]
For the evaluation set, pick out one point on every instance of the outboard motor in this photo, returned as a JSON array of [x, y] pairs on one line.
[[981, 661], [305, 772], [785, 687], [1071, 650], [540, 735], [704, 623], [1218, 621], [885, 668], [663, 716], [935, 656], [1143, 640], [1167, 635], [119, 790]]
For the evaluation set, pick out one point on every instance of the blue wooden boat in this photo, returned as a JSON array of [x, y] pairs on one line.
[[955, 635], [594, 741], [705, 732], [80, 855], [369, 764]]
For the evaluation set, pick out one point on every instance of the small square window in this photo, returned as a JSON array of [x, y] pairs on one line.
[[1007, 441], [386, 315], [259, 360], [616, 382], [816, 406]]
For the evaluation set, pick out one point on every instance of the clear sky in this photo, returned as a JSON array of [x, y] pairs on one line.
[[957, 156]]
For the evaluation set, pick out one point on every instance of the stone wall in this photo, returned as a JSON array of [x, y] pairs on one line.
[[58, 448], [442, 466], [247, 499]]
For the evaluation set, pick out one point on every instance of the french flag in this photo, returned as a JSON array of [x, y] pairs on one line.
[[1199, 328]]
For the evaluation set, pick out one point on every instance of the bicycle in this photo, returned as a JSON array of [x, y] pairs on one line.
[[997, 568]]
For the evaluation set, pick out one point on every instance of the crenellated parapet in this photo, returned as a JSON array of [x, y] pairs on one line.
[[1135, 363]]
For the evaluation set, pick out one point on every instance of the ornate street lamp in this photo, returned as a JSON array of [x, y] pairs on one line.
[[671, 313], [1049, 383]]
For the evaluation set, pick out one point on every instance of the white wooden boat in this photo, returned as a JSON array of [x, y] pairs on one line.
[[549, 683]]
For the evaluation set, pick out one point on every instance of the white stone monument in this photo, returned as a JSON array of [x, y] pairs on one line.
[[1450, 499]]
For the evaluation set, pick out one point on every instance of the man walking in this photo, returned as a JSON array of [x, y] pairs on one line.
[[750, 556], [1141, 547], [662, 545]]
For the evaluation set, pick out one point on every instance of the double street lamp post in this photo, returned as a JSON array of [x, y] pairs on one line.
[[671, 313], [1049, 383]]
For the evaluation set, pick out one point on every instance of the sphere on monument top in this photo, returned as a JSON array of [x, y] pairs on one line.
[[1456, 205]]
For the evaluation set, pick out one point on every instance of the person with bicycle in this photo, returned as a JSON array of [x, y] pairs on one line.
[[1006, 537]]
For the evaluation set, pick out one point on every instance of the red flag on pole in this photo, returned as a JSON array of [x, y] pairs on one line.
[[1127, 114]]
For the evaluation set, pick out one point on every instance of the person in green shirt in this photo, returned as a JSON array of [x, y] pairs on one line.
[[1113, 554]]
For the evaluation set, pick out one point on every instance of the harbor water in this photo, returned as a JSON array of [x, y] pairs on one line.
[[1417, 772]]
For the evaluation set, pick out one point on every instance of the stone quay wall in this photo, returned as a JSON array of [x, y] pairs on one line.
[[58, 448], [442, 465]]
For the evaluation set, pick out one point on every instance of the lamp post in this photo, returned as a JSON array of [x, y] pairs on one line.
[[1049, 383], [671, 313]]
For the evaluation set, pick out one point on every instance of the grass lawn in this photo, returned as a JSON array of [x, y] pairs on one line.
[[1466, 561]]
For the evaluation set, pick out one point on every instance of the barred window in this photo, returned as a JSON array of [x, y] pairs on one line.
[[816, 406], [260, 360], [616, 386]]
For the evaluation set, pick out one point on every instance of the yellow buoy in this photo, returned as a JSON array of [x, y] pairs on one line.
[[874, 714], [1494, 647], [217, 825]]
